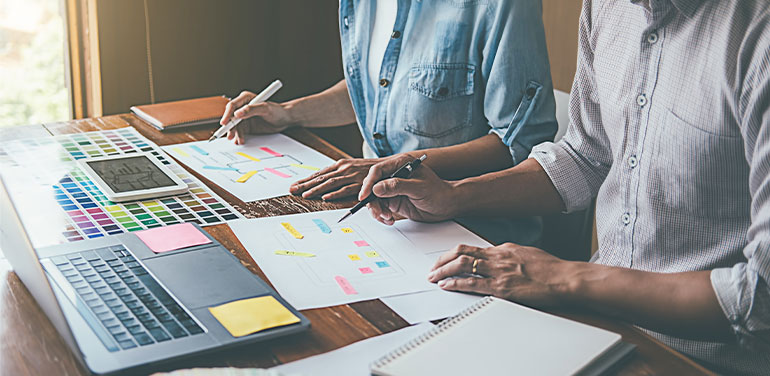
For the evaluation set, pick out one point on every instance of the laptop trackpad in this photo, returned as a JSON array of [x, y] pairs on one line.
[[205, 277]]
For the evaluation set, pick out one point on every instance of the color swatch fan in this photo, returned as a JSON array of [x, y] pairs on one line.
[[263, 168], [59, 202]]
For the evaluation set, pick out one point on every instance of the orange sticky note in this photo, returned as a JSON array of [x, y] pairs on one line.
[[169, 238], [247, 316]]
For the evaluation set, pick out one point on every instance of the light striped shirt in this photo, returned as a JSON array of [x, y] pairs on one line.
[[670, 132]]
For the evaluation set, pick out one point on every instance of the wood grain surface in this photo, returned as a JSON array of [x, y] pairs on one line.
[[29, 345]]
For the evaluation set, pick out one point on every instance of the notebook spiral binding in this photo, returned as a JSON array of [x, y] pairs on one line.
[[446, 324]]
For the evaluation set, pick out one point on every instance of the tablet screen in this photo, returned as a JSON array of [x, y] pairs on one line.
[[130, 174]]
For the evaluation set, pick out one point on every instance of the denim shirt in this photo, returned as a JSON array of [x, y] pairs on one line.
[[456, 70]]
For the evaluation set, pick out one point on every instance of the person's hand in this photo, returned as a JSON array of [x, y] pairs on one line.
[[523, 274], [260, 118], [341, 179], [423, 197]]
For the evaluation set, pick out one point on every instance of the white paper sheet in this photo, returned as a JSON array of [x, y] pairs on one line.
[[429, 305], [277, 159], [359, 259], [435, 304], [354, 359]]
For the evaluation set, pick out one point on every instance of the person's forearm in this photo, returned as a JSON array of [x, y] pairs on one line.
[[523, 190], [329, 108], [472, 158], [679, 304]]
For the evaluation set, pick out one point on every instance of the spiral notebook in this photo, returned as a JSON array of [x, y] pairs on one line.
[[497, 337]]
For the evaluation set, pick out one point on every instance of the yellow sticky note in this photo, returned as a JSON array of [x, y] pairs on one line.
[[243, 317], [306, 167], [247, 156], [246, 176], [293, 231], [347, 230], [180, 152], [372, 254], [354, 257], [293, 253]]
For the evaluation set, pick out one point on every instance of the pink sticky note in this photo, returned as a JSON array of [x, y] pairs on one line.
[[365, 270], [361, 243], [345, 285], [279, 173], [271, 151], [169, 238]]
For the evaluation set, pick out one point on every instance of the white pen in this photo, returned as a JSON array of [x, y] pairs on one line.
[[261, 97]]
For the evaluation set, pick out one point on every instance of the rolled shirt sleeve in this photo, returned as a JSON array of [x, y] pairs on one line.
[[579, 163], [743, 290], [519, 103]]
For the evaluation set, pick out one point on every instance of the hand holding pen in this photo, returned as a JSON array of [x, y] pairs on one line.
[[257, 114], [423, 196]]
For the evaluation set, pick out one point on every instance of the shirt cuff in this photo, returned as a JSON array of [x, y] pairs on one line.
[[565, 174], [730, 287]]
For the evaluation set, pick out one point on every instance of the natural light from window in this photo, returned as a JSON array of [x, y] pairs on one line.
[[33, 88]]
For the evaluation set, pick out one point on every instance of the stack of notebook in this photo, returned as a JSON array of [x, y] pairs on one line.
[[497, 337]]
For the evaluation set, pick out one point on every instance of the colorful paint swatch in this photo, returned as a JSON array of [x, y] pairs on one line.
[[366, 270], [220, 168], [248, 156], [85, 211], [306, 167], [361, 243], [171, 238], [199, 150], [181, 152], [247, 316], [347, 288], [347, 230], [246, 177], [294, 253], [323, 226], [276, 172], [382, 264], [271, 151], [354, 257], [372, 254], [293, 231]]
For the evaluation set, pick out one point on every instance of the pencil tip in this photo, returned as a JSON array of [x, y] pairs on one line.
[[343, 217]]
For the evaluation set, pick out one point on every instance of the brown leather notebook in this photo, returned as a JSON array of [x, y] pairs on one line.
[[182, 113]]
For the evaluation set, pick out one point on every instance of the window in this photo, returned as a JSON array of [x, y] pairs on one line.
[[33, 86]]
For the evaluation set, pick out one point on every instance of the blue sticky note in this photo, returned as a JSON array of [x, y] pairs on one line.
[[220, 168], [382, 264], [322, 225], [199, 150]]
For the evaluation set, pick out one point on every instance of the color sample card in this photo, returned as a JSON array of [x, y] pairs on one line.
[[171, 238], [43, 178], [247, 316], [263, 168]]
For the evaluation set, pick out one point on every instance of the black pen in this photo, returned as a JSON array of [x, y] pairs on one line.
[[403, 172]]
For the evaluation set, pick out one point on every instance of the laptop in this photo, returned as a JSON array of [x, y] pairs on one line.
[[121, 307]]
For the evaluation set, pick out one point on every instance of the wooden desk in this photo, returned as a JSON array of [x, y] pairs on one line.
[[29, 345]]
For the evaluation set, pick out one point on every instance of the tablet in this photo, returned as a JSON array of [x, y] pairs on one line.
[[132, 176]]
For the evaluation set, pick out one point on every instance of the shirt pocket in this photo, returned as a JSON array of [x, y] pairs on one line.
[[700, 173], [439, 100]]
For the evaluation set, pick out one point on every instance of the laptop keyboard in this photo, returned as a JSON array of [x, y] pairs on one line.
[[129, 303]]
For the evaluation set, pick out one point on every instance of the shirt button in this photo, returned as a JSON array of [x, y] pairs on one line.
[[345, 21], [641, 100], [652, 38], [378, 136], [384, 82], [396, 34], [633, 161], [626, 218]]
